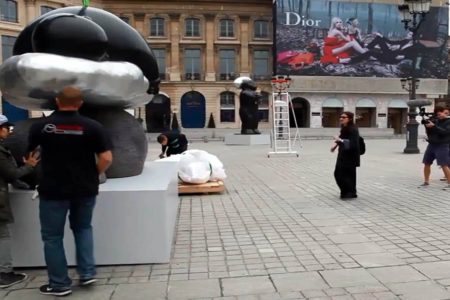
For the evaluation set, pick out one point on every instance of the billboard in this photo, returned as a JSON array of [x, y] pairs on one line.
[[339, 38]]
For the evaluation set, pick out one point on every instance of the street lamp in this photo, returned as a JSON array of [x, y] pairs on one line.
[[413, 14]]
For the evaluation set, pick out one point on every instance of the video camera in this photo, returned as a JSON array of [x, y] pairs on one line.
[[426, 117], [421, 103]]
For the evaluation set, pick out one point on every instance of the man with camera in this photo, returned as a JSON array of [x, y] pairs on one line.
[[438, 136]]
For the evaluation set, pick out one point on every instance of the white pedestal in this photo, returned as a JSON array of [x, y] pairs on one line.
[[134, 221], [247, 139]]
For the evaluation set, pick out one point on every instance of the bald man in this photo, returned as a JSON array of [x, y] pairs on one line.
[[74, 151]]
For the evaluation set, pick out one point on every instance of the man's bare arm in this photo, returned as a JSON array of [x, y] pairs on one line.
[[104, 161]]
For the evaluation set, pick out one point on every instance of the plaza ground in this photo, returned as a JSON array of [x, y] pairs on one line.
[[281, 232]]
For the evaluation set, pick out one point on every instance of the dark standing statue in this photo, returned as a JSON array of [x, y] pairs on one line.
[[97, 52], [249, 100]]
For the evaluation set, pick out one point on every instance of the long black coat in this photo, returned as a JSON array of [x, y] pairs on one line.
[[8, 173], [349, 152]]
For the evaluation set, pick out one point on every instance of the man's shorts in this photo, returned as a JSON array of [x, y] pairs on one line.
[[438, 152]]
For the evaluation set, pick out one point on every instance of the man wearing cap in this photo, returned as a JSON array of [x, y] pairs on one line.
[[75, 150], [9, 172]]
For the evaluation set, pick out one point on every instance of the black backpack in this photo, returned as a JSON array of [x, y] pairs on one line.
[[362, 146]]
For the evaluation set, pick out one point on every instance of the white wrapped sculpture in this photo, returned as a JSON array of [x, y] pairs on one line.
[[198, 167]]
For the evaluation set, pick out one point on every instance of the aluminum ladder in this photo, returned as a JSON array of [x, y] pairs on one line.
[[284, 139]]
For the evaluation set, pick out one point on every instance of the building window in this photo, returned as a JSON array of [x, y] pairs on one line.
[[227, 64], [46, 9], [226, 28], [227, 108], [160, 55], [7, 46], [260, 64], [263, 108], [8, 11], [157, 27], [125, 19], [192, 64], [261, 29], [192, 27]]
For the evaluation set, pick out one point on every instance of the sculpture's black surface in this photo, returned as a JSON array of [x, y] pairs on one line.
[[248, 112]]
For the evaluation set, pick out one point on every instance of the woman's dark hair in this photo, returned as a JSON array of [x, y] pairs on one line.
[[350, 20], [351, 121]]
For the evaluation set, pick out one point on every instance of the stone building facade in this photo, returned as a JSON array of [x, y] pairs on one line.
[[202, 45]]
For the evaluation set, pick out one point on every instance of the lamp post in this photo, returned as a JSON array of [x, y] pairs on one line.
[[413, 14]]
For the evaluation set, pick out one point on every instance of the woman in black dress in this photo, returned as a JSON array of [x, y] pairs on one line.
[[348, 158]]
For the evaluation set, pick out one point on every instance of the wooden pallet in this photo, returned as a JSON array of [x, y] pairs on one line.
[[205, 188]]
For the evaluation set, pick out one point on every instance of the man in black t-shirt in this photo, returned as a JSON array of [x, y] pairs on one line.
[[173, 143], [74, 151]]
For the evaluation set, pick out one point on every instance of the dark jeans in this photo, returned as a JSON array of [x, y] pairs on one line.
[[53, 214], [345, 176], [384, 54]]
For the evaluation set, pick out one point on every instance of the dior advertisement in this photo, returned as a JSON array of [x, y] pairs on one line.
[[340, 38]]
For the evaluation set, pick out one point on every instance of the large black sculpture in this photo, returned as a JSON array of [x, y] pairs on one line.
[[249, 101], [100, 54]]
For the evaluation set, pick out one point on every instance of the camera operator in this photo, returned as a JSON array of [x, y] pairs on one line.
[[438, 136]]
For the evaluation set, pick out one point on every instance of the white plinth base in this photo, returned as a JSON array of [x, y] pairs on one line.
[[134, 221], [247, 139]]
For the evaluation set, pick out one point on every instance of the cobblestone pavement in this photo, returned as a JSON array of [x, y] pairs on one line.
[[280, 232]]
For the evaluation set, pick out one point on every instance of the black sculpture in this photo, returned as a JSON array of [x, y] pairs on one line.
[[97, 52], [249, 100]]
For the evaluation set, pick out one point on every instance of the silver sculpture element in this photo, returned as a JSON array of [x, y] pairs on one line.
[[240, 80], [32, 81]]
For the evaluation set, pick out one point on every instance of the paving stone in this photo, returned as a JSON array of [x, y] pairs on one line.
[[247, 285], [435, 270], [420, 290], [188, 289], [377, 260], [348, 277], [348, 238], [361, 248], [396, 274], [386, 296], [299, 281], [313, 294], [26, 294], [96, 292]]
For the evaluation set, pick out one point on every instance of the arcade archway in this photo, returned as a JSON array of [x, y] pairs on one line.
[[301, 112]]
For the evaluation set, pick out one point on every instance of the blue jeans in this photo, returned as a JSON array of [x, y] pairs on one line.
[[53, 214]]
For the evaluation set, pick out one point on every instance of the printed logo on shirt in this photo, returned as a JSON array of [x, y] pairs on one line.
[[63, 129]]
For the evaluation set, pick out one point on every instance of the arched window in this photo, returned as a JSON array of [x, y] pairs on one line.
[[46, 9], [227, 107], [157, 27], [8, 11], [226, 28], [263, 108], [261, 29], [192, 27]]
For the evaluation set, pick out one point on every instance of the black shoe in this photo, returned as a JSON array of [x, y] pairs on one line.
[[348, 196], [47, 290], [87, 281], [11, 278], [256, 131]]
